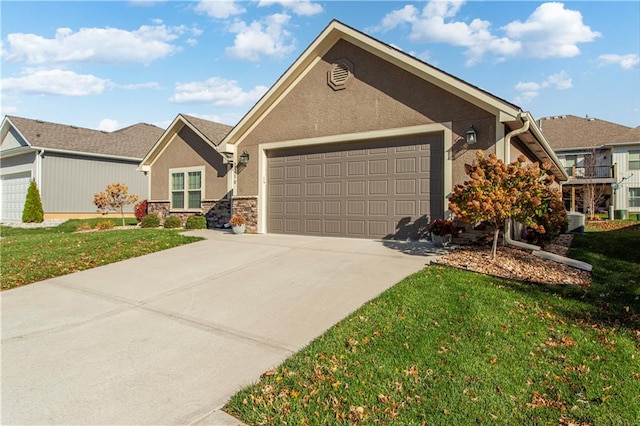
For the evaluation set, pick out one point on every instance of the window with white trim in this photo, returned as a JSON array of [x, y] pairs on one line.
[[634, 197], [186, 189], [634, 160]]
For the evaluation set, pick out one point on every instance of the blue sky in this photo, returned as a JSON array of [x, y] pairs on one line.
[[110, 64]]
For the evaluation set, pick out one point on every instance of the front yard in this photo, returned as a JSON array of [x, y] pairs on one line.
[[30, 255], [446, 346]]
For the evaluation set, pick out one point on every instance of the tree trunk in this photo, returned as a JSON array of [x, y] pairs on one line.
[[122, 214], [494, 249]]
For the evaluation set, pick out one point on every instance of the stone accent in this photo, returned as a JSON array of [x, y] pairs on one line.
[[216, 212], [247, 207]]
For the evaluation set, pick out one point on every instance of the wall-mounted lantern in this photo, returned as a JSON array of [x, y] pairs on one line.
[[471, 136], [244, 158]]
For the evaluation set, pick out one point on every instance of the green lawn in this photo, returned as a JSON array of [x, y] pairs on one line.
[[30, 255], [450, 347]]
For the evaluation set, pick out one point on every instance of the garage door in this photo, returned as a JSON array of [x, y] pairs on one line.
[[376, 189], [14, 192]]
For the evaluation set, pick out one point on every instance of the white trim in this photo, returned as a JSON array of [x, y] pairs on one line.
[[185, 171], [87, 154], [444, 128], [162, 150]]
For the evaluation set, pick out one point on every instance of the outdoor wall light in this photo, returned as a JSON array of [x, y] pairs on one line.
[[244, 158], [471, 136]]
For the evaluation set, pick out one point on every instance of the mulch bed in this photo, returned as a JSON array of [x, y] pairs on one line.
[[520, 265]]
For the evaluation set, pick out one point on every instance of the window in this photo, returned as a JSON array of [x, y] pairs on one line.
[[570, 161], [634, 197], [634, 160], [186, 189]]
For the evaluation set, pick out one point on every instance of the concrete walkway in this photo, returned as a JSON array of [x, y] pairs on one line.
[[169, 337]]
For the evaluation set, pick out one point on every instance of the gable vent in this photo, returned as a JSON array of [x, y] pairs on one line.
[[340, 74]]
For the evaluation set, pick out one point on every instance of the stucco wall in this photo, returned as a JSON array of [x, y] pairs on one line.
[[187, 149], [379, 96]]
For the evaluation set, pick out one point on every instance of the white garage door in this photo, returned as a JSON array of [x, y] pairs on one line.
[[14, 193]]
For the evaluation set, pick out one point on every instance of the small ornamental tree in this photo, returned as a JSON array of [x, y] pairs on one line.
[[33, 212], [498, 191], [115, 198]]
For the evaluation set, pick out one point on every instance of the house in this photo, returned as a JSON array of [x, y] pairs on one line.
[[357, 139], [602, 160], [187, 174], [69, 164]]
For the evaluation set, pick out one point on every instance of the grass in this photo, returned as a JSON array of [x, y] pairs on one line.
[[30, 255], [446, 346]]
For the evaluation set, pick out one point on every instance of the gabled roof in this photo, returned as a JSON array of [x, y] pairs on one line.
[[131, 142], [335, 31], [211, 132], [571, 132]]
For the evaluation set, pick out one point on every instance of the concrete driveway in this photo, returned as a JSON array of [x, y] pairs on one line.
[[169, 337]]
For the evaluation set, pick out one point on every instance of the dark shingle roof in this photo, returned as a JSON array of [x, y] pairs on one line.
[[215, 132], [133, 141], [569, 131]]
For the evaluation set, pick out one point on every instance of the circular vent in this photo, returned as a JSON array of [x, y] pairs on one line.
[[339, 75]]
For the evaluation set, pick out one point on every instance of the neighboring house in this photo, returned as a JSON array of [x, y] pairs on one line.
[[601, 158], [69, 165], [359, 139], [187, 175]]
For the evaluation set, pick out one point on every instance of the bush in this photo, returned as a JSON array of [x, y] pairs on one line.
[[172, 222], [150, 221], [196, 222], [105, 224], [33, 212], [84, 226], [140, 210]]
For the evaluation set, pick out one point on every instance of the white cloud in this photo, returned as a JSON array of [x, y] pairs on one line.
[[627, 62], [299, 7], [261, 38], [108, 125], [55, 82], [531, 89], [550, 31], [98, 45], [217, 92], [560, 81], [220, 9]]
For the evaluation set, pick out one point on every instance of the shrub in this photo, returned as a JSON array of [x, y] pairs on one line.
[[33, 212], [150, 221], [116, 197], [105, 224], [196, 222], [84, 226], [140, 210], [172, 222]]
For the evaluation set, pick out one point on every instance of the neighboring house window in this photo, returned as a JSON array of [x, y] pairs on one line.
[[634, 160], [186, 189], [570, 162], [634, 197]]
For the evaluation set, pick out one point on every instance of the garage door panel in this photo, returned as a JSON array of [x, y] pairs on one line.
[[371, 189], [14, 194]]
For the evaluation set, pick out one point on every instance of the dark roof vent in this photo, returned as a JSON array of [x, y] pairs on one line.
[[340, 74]]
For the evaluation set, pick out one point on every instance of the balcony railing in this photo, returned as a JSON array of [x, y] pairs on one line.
[[595, 172]]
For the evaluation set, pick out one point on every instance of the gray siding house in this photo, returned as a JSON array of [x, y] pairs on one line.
[[69, 164]]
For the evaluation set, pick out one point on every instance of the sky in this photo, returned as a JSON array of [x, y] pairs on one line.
[[110, 64]]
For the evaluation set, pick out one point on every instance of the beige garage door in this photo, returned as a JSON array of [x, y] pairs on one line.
[[375, 189]]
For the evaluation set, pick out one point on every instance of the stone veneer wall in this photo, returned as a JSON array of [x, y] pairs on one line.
[[247, 207], [216, 211]]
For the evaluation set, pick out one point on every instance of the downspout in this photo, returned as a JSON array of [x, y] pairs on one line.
[[507, 157]]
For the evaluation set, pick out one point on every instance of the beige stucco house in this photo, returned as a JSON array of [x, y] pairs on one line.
[[359, 139]]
